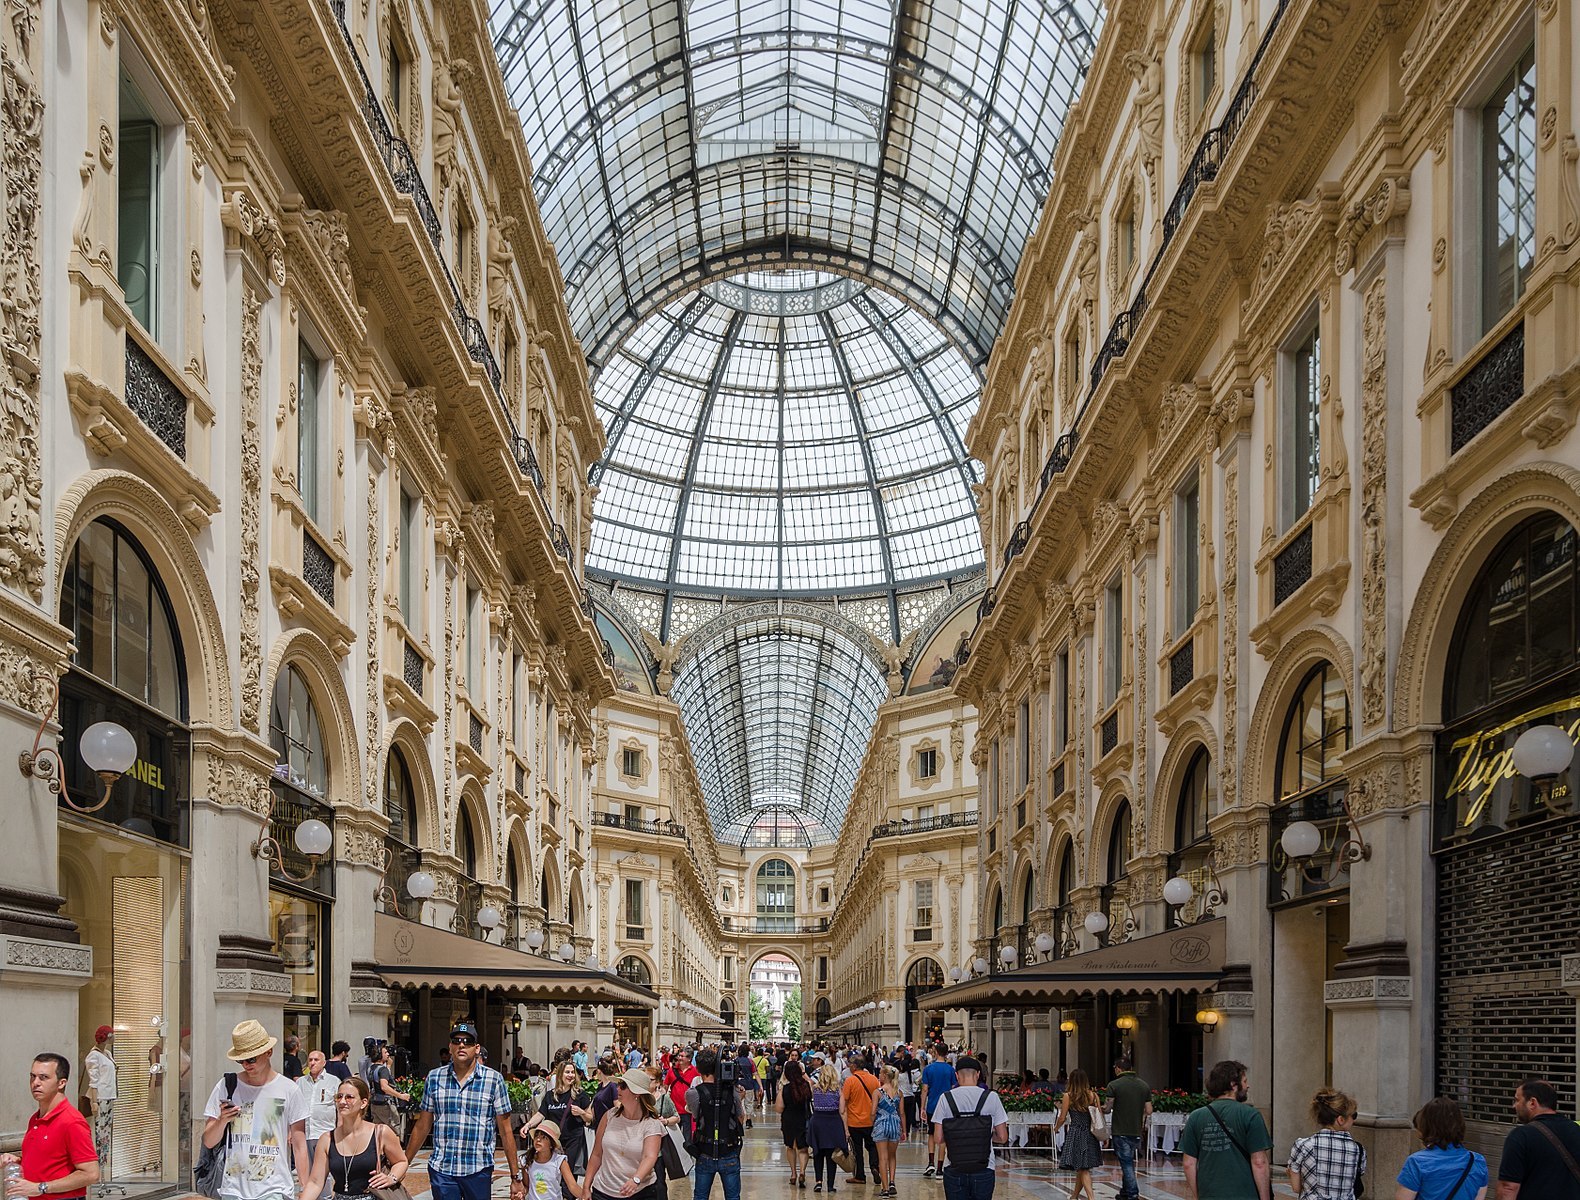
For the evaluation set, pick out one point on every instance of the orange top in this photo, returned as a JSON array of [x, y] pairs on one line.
[[859, 1090]]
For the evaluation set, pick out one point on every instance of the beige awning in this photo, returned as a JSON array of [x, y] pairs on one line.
[[1177, 960], [413, 955]]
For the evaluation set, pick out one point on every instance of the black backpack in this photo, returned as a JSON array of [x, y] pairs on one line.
[[716, 1128], [210, 1168], [968, 1137]]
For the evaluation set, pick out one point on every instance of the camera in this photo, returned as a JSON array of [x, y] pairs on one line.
[[727, 1075]]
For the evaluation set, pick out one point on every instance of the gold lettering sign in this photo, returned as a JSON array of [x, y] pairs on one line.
[[148, 773], [1481, 762]]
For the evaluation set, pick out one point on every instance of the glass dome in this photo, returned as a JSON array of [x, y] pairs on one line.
[[786, 433]]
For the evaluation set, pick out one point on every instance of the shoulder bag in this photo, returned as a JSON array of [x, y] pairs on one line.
[[210, 1168], [1244, 1153], [1470, 1161], [677, 1163], [398, 1192], [1563, 1150], [1099, 1126]]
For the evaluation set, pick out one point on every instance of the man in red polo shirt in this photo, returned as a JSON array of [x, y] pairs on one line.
[[58, 1158]]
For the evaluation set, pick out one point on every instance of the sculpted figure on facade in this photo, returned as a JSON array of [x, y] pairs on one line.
[[1147, 67], [448, 75], [1086, 264], [500, 260]]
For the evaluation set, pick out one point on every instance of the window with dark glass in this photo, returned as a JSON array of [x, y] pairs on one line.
[[138, 168], [1303, 426], [410, 561], [1119, 844], [1508, 189], [635, 908], [1113, 640], [1316, 734], [296, 736], [1186, 581], [127, 666], [310, 431], [633, 970], [1192, 856], [1061, 707]]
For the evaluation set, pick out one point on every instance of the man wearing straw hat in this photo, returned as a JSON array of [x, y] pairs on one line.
[[265, 1119]]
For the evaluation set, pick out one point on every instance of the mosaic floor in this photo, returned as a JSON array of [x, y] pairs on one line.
[[1024, 1175]]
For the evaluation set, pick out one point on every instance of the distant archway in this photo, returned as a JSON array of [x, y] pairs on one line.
[[924, 976], [775, 979]]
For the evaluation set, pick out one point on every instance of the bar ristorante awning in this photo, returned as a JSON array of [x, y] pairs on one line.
[[1178, 960], [413, 955]]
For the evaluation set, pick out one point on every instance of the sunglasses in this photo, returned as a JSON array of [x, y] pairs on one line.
[[463, 1040], [247, 1062]]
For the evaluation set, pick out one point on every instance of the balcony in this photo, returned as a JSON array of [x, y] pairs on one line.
[[155, 398], [1487, 390], [653, 828], [902, 827]]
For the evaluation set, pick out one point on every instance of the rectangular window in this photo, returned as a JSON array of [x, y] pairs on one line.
[[517, 700], [1061, 706], [924, 812], [551, 735], [1303, 426], [632, 814], [924, 910], [822, 972], [138, 169], [631, 763], [823, 894], [410, 561], [1125, 238], [310, 455], [729, 970], [1072, 366], [1113, 640], [1023, 745], [397, 65], [927, 764], [1508, 189], [1187, 554], [474, 644], [1206, 66], [993, 781], [635, 921]]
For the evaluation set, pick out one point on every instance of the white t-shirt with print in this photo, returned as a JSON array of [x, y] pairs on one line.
[[258, 1163]]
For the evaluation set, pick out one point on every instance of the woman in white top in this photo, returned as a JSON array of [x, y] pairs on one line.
[[629, 1139]]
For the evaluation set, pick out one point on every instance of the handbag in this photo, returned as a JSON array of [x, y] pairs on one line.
[[210, 1167], [843, 1160], [1099, 1126], [672, 1151], [398, 1192]]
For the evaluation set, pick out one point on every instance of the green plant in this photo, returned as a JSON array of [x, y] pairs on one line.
[[1177, 1100], [520, 1095], [412, 1085]]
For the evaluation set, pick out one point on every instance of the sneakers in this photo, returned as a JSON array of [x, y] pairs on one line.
[[930, 1172], [818, 1186]]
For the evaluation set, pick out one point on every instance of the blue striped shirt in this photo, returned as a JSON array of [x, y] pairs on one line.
[[463, 1118]]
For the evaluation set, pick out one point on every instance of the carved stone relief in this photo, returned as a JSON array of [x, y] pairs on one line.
[[1374, 489], [251, 504]]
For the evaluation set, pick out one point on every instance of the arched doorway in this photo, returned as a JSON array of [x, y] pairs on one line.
[[122, 873], [925, 975], [633, 1024]]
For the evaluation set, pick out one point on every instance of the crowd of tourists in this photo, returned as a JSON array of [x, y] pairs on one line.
[[620, 1125]]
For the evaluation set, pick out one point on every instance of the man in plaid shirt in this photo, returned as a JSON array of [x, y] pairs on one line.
[[458, 1101]]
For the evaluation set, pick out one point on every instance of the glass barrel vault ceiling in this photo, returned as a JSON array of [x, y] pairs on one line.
[[908, 144], [785, 433], [778, 710]]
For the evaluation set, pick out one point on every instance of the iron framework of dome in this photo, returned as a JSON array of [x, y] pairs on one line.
[[785, 434], [676, 143]]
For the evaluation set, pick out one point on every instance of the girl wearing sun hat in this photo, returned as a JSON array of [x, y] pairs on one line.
[[549, 1174], [629, 1137]]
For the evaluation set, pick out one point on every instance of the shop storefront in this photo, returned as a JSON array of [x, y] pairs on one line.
[[124, 861], [1506, 829], [301, 890]]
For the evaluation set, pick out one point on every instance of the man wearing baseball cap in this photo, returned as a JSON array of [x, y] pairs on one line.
[[264, 1118], [100, 1070], [465, 1104]]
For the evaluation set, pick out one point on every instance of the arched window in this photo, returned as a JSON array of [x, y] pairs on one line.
[[925, 975], [126, 666], [1195, 803], [1192, 856], [1119, 844], [775, 897], [633, 970], [296, 737], [512, 878], [466, 843], [727, 1012], [1028, 896], [996, 907], [1517, 628], [825, 1012], [1316, 734], [400, 799], [1310, 786], [121, 622], [1063, 914], [1066, 875]]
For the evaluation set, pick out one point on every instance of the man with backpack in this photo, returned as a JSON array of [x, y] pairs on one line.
[[718, 1126], [261, 1117], [968, 1120]]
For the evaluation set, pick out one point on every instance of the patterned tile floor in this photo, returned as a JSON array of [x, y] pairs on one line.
[[1024, 1175]]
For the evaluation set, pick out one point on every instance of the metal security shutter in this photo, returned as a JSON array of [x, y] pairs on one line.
[[138, 974]]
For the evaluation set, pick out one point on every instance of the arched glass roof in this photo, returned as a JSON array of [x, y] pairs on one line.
[[778, 709], [908, 144], [786, 433]]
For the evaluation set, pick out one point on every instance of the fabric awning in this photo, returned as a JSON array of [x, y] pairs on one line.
[[413, 955], [1177, 960]]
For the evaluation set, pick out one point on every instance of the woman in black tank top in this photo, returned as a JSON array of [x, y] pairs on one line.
[[357, 1155]]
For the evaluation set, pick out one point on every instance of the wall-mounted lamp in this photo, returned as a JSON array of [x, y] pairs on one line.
[[488, 918], [566, 952], [515, 1022], [1301, 840], [592, 963], [1179, 891], [1067, 1026], [1007, 956], [1044, 944], [403, 1013], [1096, 922], [1208, 1019], [979, 965], [312, 837], [534, 940], [1542, 751], [1126, 1022], [956, 974], [108, 749]]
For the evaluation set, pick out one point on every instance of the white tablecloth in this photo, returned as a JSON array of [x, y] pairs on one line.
[[1020, 1122], [1163, 1134]]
